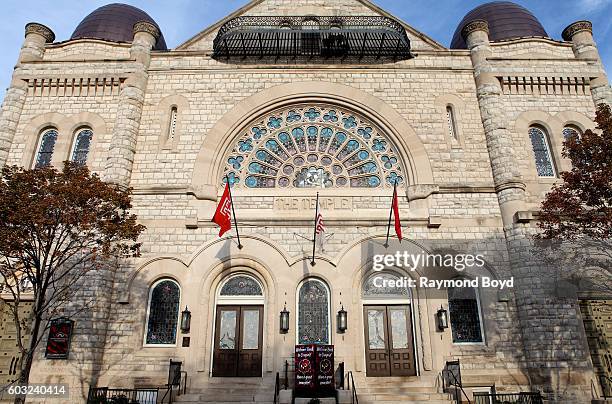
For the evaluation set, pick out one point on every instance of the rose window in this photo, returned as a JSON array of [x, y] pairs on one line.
[[310, 146]]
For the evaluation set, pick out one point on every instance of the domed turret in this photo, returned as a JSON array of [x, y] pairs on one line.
[[506, 20], [115, 22]]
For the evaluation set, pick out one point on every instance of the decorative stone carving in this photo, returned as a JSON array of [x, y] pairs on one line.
[[44, 31], [145, 26], [574, 28], [476, 25]]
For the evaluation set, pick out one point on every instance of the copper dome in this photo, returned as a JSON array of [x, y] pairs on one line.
[[115, 22], [506, 20]]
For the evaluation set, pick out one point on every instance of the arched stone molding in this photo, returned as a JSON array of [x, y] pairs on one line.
[[31, 136], [165, 112], [67, 127], [221, 138], [458, 105]]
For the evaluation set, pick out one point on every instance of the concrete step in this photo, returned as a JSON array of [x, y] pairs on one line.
[[396, 395]]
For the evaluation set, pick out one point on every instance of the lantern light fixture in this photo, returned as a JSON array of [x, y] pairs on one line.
[[185, 320], [284, 320], [442, 319], [342, 320]]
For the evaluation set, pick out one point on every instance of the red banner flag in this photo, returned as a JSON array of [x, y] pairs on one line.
[[223, 215], [396, 216]]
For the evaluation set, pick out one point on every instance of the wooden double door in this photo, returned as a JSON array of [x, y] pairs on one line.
[[238, 341], [389, 343]]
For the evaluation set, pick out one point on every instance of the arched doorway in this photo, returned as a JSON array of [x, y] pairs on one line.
[[238, 336], [388, 326]]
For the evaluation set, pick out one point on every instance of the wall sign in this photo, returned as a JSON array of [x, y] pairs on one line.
[[58, 343], [314, 370]]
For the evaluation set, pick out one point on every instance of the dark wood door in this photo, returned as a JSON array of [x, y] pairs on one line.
[[238, 341], [389, 341]]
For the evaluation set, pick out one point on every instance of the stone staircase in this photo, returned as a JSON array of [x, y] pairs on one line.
[[380, 390], [404, 390], [230, 391]]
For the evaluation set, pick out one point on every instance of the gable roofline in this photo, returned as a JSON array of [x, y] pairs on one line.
[[242, 10]]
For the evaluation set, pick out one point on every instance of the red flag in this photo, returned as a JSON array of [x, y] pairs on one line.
[[223, 214], [395, 207]]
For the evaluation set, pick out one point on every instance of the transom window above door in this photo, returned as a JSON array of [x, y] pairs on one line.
[[313, 146], [377, 285]]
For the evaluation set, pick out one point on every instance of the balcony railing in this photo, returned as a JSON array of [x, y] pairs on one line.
[[350, 38], [510, 398]]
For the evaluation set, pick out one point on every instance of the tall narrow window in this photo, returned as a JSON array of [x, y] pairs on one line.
[[541, 152], [172, 124], [452, 124], [313, 313], [82, 143], [570, 131], [162, 320], [464, 312], [45, 148]]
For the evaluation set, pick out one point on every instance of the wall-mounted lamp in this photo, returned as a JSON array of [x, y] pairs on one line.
[[284, 320], [185, 320], [342, 320], [442, 319]]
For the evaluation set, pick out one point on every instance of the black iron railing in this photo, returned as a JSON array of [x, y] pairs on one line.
[[606, 386], [451, 377], [352, 388], [277, 382], [294, 37], [340, 376], [105, 395], [508, 398]]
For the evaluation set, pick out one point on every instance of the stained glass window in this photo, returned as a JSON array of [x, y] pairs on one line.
[[541, 152], [313, 313], [45, 149], [81, 146], [452, 125], [570, 131], [464, 315], [163, 313], [377, 285], [313, 146], [241, 286]]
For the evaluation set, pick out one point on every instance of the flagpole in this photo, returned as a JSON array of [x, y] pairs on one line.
[[390, 213], [229, 187], [314, 238]]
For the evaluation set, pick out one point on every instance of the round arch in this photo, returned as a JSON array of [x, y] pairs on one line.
[[226, 133]]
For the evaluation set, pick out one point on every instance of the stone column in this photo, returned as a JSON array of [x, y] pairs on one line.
[[553, 353], [507, 178], [129, 111], [580, 34], [33, 49]]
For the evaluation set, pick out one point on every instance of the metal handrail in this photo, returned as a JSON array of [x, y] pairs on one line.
[[457, 384], [509, 398], [351, 387], [276, 388], [168, 391], [286, 375], [606, 384]]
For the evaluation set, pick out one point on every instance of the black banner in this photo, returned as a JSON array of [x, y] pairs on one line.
[[325, 368], [58, 343], [305, 368]]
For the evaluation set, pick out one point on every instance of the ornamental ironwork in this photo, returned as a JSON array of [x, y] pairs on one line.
[[294, 37], [464, 315], [163, 313], [313, 146], [313, 313], [241, 286]]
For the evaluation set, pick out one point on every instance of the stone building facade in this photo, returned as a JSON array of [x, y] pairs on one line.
[[472, 135]]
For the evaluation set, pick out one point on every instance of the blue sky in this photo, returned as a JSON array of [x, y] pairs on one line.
[[181, 19]]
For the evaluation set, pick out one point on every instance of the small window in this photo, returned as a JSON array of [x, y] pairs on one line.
[[45, 148], [541, 152], [172, 124], [464, 312], [162, 320], [570, 131], [378, 285], [81, 147], [241, 285], [451, 122]]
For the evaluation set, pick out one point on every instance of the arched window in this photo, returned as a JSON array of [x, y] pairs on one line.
[[571, 130], [451, 122], [465, 318], [541, 152], [172, 124], [378, 285], [313, 313], [241, 285], [82, 143], [45, 148], [163, 314]]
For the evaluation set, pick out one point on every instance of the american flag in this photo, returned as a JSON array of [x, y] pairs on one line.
[[320, 225]]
